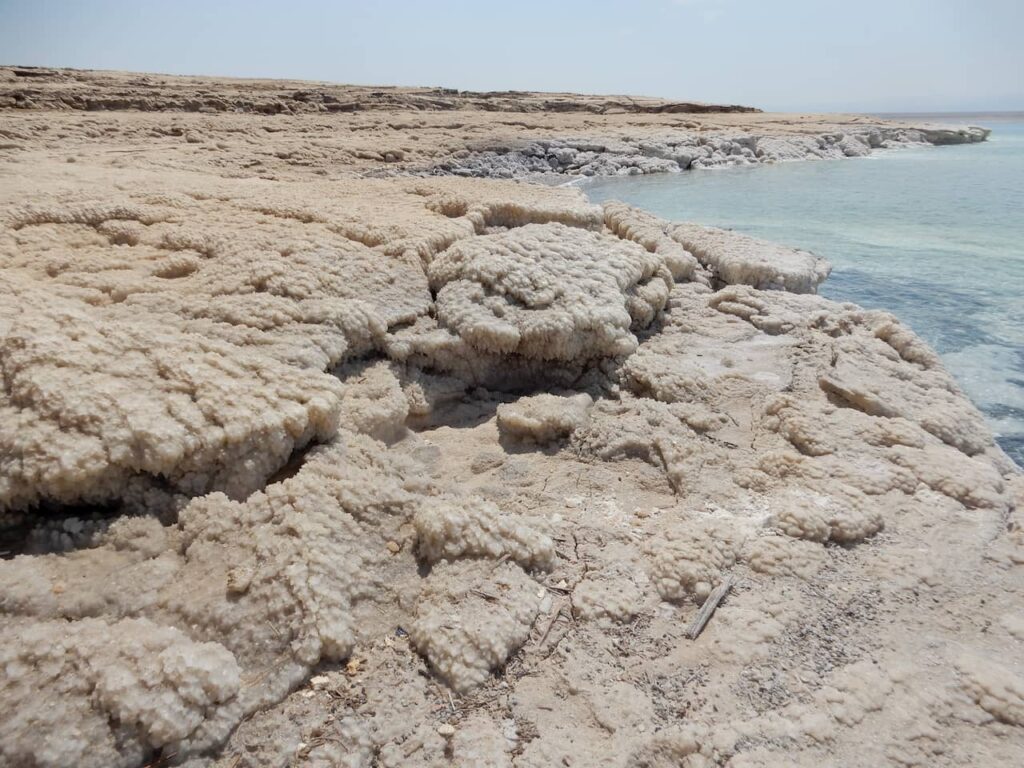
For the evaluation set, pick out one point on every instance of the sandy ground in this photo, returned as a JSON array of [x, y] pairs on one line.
[[303, 467]]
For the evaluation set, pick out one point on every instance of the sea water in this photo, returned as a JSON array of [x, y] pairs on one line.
[[933, 234]]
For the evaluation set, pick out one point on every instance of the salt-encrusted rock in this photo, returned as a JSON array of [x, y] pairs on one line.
[[548, 292], [453, 528], [197, 327], [471, 616], [690, 560], [658, 433], [649, 231], [272, 580], [735, 258], [993, 687], [782, 556], [676, 151], [96, 694], [846, 519], [479, 741], [610, 595], [148, 401], [373, 401], [427, 392], [544, 418], [493, 207]]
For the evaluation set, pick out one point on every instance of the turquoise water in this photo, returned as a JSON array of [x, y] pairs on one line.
[[935, 234]]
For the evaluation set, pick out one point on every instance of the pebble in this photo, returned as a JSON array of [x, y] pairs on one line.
[[319, 681], [446, 729]]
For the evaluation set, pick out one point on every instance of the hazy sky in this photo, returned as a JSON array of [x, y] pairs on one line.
[[897, 55]]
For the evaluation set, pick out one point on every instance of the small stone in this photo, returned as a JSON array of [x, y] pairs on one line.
[[446, 729], [393, 547], [319, 682]]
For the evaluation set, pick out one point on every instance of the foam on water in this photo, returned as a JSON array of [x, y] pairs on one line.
[[936, 235]]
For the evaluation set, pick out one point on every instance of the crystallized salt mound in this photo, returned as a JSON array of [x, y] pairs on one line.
[[425, 392], [272, 579], [994, 688], [544, 418], [449, 528], [649, 231], [548, 292], [471, 616], [95, 405], [735, 258], [846, 519], [783, 556], [373, 401], [496, 205], [197, 315], [96, 694], [610, 594], [688, 562], [479, 741], [665, 435]]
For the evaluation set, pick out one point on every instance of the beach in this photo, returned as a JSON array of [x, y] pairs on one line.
[[336, 429]]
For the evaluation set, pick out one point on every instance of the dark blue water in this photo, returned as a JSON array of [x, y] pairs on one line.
[[935, 235]]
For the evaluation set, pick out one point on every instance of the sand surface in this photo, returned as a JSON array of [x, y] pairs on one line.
[[316, 451]]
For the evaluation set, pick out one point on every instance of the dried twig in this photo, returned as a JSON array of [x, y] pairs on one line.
[[551, 623], [708, 609]]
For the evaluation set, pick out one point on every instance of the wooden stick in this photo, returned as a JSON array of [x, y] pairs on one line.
[[708, 609], [551, 623]]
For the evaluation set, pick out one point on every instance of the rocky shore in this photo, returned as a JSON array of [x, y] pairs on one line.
[[313, 452], [671, 154]]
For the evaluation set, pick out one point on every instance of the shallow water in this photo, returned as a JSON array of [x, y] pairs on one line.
[[934, 234]]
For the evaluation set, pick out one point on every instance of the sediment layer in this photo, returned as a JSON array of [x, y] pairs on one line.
[[303, 467]]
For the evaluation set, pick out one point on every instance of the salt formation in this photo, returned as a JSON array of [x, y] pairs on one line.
[[690, 561], [548, 292], [663, 152], [994, 688], [739, 259], [97, 694], [779, 555], [544, 418], [466, 631], [612, 595], [448, 529], [398, 471]]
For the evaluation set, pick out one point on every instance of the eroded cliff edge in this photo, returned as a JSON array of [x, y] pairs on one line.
[[417, 470]]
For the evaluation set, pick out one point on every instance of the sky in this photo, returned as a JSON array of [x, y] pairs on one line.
[[784, 55]]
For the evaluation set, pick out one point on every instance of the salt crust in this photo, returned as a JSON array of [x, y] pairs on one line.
[[211, 336]]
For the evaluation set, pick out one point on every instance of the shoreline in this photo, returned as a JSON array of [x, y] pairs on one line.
[[305, 457], [589, 157]]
